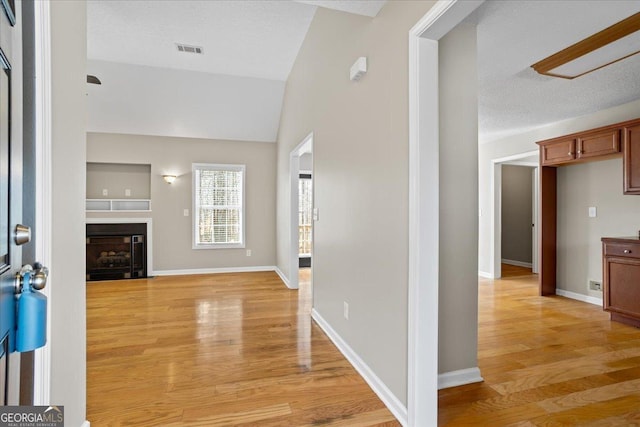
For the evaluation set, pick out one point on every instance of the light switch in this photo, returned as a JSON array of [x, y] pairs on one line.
[[185, 212], [593, 212]]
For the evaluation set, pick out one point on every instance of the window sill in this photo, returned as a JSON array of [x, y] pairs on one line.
[[220, 246]]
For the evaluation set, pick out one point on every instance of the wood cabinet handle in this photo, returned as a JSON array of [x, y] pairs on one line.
[[569, 153], [627, 251], [579, 152]]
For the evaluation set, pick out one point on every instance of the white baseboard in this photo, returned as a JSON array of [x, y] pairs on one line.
[[85, 424], [397, 408], [517, 263], [283, 277], [579, 297], [460, 377], [213, 270], [485, 275]]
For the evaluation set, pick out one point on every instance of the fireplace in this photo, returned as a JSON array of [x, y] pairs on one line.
[[116, 251]]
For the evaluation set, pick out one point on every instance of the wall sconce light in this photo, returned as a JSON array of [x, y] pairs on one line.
[[169, 178]]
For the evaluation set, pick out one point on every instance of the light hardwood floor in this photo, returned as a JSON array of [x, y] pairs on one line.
[[546, 361], [213, 350]]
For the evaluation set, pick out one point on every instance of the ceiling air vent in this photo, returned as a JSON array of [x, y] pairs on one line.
[[189, 49]]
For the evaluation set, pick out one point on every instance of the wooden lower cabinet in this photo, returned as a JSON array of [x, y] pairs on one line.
[[621, 279]]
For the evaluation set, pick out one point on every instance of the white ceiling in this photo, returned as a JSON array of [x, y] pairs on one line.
[[252, 38], [233, 91], [260, 39], [513, 35], [359, 7], [140, 100]]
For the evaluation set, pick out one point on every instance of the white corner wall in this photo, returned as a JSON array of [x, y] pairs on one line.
[[360, 159], [458, 287], [67, 279]]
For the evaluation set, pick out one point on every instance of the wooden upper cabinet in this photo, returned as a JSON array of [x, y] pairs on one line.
[[594, 144], [557, 151], [597, 144], [631, 165]]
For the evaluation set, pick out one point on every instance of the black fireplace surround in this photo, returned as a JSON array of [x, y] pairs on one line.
[[116, 251]]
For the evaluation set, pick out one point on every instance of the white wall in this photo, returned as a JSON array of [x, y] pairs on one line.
[[598, 184], [525, 142], [306, 162], [517, 213], [458, 291], [67, 285], [360, 154], [140, 100], [172, 231], [117, 178]]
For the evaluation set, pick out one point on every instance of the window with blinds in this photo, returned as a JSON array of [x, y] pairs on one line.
[[218, 206]]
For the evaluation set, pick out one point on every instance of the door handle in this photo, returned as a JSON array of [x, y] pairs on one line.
[[39, 280], [36, 278]]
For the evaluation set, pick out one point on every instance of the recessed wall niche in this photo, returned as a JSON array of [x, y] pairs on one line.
[[116, 178]]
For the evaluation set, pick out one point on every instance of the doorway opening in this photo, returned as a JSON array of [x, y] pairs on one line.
[[518, 216], [500, 249], [301, 213], [305, 214]]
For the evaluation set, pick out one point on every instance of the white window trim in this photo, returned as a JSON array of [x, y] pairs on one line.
[[194, 210]]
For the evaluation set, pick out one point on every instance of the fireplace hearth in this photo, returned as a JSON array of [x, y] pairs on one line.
[[116, 251]]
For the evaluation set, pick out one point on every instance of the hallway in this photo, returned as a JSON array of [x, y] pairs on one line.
[[219, 349]]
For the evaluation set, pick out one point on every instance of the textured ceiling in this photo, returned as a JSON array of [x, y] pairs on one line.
[[251, 38], [512, 35]]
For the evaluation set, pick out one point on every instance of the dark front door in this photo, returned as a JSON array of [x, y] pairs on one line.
[[10, 199]]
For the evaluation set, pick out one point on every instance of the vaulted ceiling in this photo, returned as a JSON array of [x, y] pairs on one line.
[[241, 38], [249, 47], [233, 90]]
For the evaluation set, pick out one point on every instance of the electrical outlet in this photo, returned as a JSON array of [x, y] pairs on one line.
[[346, 310], [595, 285], [105, 192], [593, 212], [185, 212], [248, 252], [127, 192]]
